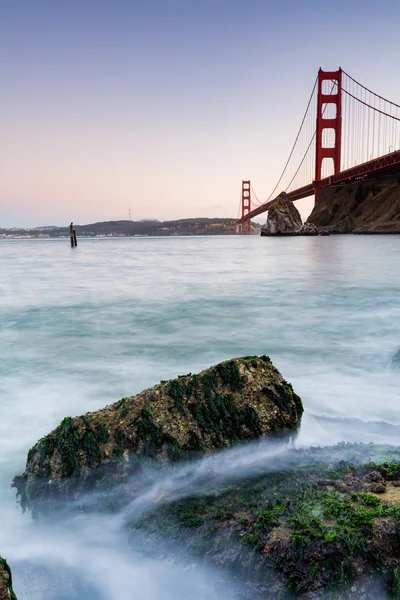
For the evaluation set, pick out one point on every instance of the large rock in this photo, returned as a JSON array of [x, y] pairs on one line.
[[325, 526], [193, 415], [6, 589], [283, 218]]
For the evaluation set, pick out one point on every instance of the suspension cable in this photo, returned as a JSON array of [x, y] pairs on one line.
[[370, 91], [255, 195], [295, 142], [373, 108], [311, 141], [302, 160]]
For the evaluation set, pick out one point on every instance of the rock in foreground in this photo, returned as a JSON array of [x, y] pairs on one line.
[[6, 589], [193, 415], [324, 526]]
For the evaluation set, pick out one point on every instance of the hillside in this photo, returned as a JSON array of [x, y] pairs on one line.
[[370, 206]]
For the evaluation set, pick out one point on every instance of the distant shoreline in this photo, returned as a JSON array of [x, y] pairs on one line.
[[107, 237], [149, 228]]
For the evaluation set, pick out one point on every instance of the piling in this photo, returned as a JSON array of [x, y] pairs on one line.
[[72, 235]]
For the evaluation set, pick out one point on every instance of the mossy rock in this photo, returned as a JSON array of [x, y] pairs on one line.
[[188, 417], [315, 529], [6, 588]]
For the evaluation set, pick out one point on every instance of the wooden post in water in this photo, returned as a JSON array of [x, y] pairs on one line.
[[72, 235]]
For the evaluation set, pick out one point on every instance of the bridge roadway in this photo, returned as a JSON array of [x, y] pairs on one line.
[[384, 165]]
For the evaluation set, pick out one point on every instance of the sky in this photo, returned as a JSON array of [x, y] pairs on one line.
[[163, 107]]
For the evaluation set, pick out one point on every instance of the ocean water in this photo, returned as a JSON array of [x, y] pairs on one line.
[[81, 328]]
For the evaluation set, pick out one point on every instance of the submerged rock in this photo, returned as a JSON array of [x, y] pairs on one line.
[[193, 415], [6, 589], [283, 218], [396, 360], [316, 528]]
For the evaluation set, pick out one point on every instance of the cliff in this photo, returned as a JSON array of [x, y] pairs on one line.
[[371, 206], [187, 417]]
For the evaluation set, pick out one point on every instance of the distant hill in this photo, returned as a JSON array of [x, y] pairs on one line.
[[199, 226]]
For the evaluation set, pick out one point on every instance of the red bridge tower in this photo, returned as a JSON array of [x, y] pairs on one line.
[[245, 225], [324, 103]]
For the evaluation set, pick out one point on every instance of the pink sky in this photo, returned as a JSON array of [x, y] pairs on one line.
[[163, 108]]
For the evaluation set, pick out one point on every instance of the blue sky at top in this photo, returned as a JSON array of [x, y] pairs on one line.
[[163, 107]]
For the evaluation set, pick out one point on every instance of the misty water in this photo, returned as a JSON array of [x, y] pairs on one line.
[[83, 328]]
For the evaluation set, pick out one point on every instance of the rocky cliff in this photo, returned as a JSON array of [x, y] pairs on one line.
[[371, 206], [190, 416], [6, 589], [284, 219]]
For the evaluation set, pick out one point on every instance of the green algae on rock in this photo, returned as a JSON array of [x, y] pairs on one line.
[[6, 589], [320, 527], [237, 400]]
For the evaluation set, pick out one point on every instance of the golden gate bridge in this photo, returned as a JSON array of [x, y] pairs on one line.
[[348, 132]]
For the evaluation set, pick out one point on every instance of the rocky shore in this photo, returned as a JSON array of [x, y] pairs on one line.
[[324, 525], [362, 207], [307, 524], [6, 588]]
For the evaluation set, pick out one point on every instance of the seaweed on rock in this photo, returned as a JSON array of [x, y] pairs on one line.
[[236, 400], [314, 528]]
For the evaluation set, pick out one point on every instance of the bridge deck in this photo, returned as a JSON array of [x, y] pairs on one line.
[[384, 165]]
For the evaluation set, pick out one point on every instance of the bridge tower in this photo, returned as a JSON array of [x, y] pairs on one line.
[[324, 103], [245, 225]]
